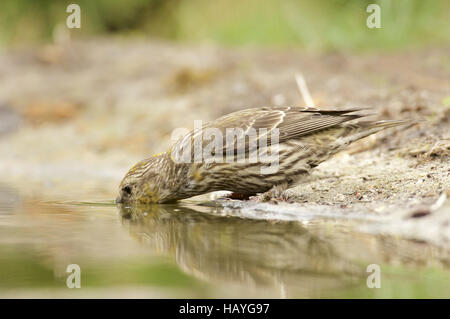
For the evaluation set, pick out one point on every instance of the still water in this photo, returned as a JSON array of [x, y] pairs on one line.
[[193, 250]]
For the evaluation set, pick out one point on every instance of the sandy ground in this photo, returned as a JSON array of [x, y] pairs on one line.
[[76, 116]]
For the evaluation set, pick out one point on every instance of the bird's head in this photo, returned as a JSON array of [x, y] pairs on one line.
[[145, 182]]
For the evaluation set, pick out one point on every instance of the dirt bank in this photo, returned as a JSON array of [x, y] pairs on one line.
[[75, 117]]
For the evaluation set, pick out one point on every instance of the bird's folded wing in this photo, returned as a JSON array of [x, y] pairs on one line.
[[236, 130]]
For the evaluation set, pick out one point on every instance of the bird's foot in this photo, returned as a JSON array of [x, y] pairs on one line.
[[275, 194]]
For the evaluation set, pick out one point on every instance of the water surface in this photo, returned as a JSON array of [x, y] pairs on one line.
[[196, 250]]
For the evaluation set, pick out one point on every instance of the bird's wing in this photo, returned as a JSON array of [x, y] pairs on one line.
[[288, 122]]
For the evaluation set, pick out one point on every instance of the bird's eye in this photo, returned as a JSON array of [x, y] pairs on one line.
[[127, 190]]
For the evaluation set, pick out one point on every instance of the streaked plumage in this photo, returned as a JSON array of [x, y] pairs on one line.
[[307, 137]]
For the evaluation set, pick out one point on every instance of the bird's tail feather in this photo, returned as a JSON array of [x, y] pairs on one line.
[[384, 124], [365, 128]]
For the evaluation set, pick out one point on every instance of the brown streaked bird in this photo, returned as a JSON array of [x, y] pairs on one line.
[[307, 137]]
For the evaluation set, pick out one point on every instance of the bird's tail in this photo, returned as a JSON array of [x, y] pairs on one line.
[[365, 128]]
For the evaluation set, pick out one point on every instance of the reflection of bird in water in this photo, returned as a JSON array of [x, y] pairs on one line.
[[232, 249]]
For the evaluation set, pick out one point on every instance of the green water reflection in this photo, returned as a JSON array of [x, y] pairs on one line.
[[196, 251]]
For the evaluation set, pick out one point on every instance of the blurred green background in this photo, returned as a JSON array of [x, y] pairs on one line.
[[310, 24]]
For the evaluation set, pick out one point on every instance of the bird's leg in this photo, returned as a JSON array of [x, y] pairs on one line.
[[234, 196], [277, 192]]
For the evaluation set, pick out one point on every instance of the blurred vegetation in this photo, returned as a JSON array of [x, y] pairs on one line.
[[315, 24]]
